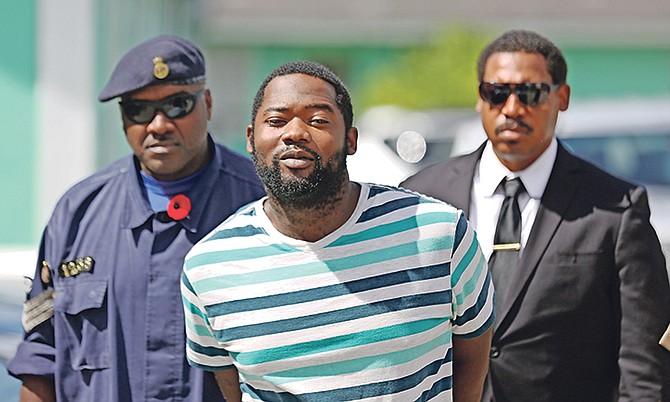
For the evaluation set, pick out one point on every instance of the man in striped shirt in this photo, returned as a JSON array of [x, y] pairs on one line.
[[328, 289]]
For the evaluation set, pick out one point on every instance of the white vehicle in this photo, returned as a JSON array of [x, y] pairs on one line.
[[15, 265], [394, 142], [629, 138]]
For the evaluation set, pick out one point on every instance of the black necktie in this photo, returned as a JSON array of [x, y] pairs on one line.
[[507, 240]]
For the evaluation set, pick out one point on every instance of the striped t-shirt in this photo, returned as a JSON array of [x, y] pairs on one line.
[[365, 314]]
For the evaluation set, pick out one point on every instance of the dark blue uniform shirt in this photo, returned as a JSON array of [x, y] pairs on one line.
[[117, 333]]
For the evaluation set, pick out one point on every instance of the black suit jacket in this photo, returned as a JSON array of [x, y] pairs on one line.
[[591, 297]]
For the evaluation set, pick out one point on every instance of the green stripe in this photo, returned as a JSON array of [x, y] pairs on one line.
[[356, 365], [217, 257], [471, 285], [200, 330], [337, 342], [320, 267], [387, 229], [464, 262], [192, 308]]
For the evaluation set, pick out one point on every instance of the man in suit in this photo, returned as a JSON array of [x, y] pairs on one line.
[[583, 295]]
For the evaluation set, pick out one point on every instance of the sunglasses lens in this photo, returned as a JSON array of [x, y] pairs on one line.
[[499, 95], [174, 107], [530, 94], [178, 106], [495, 94], [138, 112]]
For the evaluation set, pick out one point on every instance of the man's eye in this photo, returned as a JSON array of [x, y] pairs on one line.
[[275, 122], [132, 109], [179, 103], [319, 121]]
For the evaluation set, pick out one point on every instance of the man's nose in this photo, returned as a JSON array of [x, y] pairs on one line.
[[513, 106], [296, 130], [160, 124]]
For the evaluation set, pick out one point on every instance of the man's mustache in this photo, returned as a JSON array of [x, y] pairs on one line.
[[277, 155], [514, 124]]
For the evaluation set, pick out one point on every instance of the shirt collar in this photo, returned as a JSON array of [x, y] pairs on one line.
[[534, 177], [138, 209]]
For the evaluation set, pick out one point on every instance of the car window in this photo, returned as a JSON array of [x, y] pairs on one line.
[[642, 158]]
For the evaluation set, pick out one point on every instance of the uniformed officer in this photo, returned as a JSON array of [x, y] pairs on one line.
[[104, 318]]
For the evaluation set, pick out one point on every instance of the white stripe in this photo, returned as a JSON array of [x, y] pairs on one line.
[[341, 329], [353, 353], [327, 278], [328, 305]]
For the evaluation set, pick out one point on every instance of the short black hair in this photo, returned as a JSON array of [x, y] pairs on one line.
[[530, 42], [313, 69]]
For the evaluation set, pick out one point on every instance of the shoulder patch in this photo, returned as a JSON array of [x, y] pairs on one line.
[[37, 310]]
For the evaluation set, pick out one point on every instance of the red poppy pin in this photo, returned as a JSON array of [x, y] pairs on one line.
[[179, 207]]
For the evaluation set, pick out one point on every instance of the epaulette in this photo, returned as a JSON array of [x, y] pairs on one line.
[[37, 310]]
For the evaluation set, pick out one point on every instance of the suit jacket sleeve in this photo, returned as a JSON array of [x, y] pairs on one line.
[[645, 304]]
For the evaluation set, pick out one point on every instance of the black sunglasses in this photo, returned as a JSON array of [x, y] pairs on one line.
[[529, 93], [174, 107]]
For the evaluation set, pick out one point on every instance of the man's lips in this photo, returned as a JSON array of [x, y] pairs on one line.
[[296, 159], [512, 130], [161, 147]]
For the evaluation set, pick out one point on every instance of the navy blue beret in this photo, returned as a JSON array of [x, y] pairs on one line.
[[165, 59]]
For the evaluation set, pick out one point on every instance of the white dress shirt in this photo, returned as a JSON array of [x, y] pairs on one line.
[[487, 194]]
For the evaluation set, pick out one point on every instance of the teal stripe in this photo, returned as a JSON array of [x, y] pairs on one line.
[[216, 257], [320, 267], [465, 261], [355, 365], [194, 310], [403, 225], [200, 330], [471, 285], [186, 282], [337, 342]]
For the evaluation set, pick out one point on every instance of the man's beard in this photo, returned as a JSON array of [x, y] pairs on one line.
[[318, 190]]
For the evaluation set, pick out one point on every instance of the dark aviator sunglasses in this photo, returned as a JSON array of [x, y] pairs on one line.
[[529, 93], [174, 107]]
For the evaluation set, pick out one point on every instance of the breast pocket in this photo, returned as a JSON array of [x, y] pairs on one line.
[[81, 321], [573, 280]]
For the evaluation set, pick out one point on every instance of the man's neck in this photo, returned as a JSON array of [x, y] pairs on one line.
[[313, 223]]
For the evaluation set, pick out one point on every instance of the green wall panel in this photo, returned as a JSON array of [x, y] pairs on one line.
[[618, 72], [17, 117]]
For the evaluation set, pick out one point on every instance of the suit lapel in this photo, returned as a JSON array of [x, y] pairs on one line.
[[562, 187], [460, 178]]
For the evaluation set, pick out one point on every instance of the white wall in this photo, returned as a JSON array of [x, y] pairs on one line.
[[66, 98]]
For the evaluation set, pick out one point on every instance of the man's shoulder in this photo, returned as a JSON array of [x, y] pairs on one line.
[[235, 232], [242, 222], [391, 199], [443, 171], [109, 184], [114, 174], [594, 176], [455, 161]]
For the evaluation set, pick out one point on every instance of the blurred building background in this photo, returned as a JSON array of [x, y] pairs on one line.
[[56, 55]]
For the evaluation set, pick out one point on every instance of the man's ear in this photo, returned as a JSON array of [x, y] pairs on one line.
[[250, 139], [479, 104], [352, 140], [208, 102], [563, 93]]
